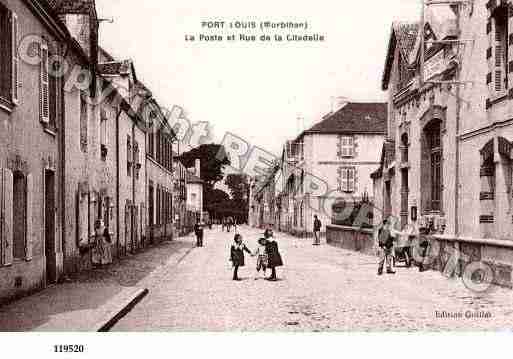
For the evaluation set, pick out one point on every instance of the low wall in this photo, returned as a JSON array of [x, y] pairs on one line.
[[495, 255], [350, 238], [448, 254]]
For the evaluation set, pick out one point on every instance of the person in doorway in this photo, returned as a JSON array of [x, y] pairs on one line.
[[237, 255], [385, 242], [317, 225], [198, 230], [273, 254]]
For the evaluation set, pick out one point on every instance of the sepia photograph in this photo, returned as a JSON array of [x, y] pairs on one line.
[[240, 167]]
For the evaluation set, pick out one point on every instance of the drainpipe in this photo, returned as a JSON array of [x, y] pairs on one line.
[[457, 142], [61, 148], [118, 114], [133, 188]]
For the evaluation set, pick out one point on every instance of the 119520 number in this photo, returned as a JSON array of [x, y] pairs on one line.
[[75, 348]]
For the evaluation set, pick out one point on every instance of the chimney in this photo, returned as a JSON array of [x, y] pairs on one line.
[[197, 166]]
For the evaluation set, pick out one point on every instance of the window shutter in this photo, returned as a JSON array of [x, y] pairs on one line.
[[6, 216], [44, 86], [29, 234], [15, 59], [498, 80]]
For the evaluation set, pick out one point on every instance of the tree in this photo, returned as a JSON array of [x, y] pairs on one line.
[[213, 162], [239, 190], [238, 185], [212, 199]]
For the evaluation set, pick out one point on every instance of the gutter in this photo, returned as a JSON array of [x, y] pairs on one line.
[[457, 137]]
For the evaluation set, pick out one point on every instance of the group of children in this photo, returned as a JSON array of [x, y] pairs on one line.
[[267, 253]]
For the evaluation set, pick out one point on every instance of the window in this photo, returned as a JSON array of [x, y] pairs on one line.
[[404, 148], [9, 62], [151, 140], [500, 50], [159, 205], [129, 155], [136, 159], [346, 144], [19, 214], [103, 134], [53, 94], [347, 179], [84, 113], [435, 159], [158, 146]]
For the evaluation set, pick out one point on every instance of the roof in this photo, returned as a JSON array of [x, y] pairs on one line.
[[403, 35], [72, 6], [193, 179], [354, 118]]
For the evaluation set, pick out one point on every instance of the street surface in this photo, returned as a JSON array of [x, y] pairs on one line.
[[320, 289]]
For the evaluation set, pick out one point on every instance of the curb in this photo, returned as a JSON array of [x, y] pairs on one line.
[[116, 315]]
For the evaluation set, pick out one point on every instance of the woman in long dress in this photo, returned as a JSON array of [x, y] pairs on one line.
[[102, 252]]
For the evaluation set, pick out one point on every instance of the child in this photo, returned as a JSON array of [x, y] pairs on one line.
[[237, 255], [262, 259]]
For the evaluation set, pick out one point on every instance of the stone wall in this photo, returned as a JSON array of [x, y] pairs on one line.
[[446, 254], [353, 239]]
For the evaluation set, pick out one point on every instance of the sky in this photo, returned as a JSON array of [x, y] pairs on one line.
[[256, 91]]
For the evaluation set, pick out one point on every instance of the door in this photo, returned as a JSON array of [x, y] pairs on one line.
[[50, 250]]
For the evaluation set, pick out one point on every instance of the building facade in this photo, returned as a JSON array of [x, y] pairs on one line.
[[33, 116], [331, 161], [160, 181], [446, 165], [74, 146], [195, 192]]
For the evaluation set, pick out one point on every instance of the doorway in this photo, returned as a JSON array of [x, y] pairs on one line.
[[50, 250]]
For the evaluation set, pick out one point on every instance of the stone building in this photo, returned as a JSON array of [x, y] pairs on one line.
[[159, 171], [179, 196], [33, 239], [331, 161], [195, 192], [447, 164]]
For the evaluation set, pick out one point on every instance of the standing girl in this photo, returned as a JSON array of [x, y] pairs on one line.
[[273, 254], [237, 255]]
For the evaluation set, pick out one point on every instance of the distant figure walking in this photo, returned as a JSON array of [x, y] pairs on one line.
[[273, 254], [198, 230], [237, 255], [229, 223], [317, 225]]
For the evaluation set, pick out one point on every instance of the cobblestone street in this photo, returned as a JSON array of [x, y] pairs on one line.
[[320, 289]]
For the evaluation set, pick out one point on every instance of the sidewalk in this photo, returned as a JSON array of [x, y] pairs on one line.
[[94, 298]]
